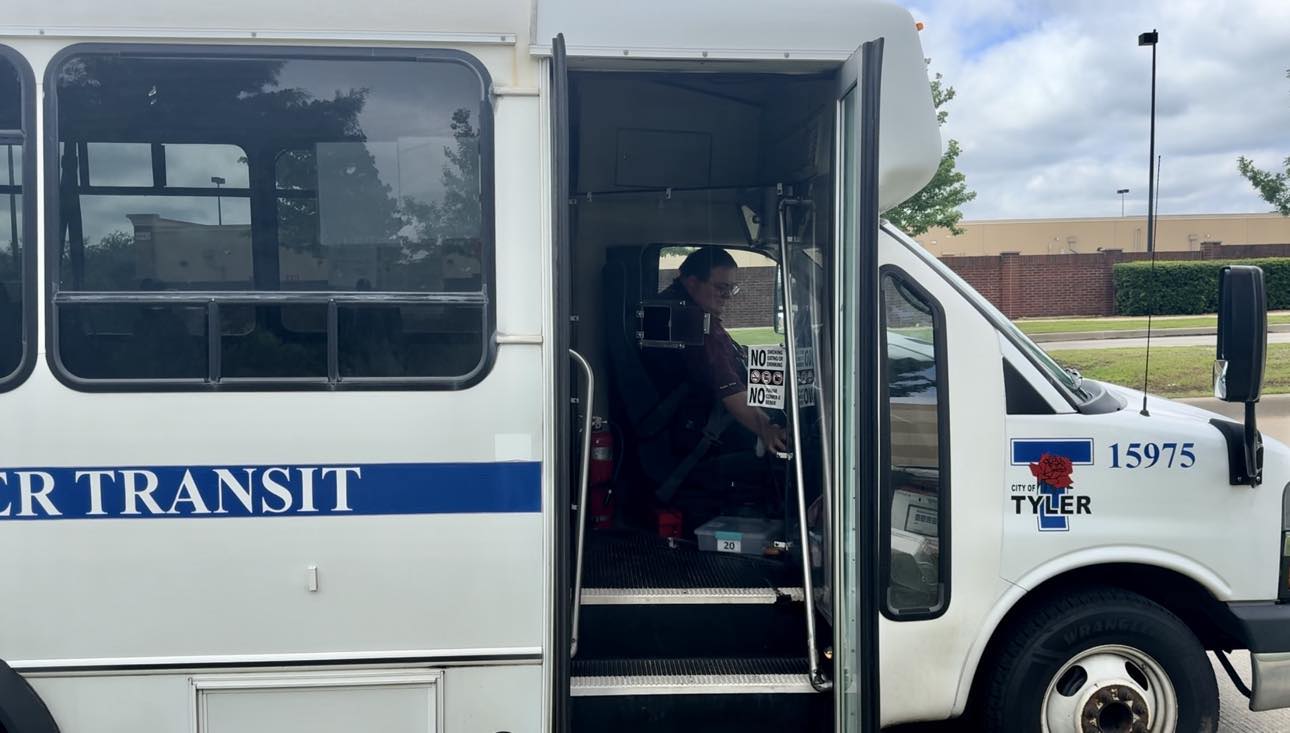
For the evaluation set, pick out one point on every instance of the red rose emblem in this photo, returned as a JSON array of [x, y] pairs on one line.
[[1053, 470]]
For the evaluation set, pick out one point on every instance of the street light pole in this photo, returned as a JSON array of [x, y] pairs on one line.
[[1150, 39], [1121, 191], [219, 204]]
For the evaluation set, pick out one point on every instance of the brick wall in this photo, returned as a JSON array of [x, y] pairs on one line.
[[1074, 284], [1019, 285], [754, 306]]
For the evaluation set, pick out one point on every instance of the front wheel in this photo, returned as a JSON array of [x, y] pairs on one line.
[[1101, 661]]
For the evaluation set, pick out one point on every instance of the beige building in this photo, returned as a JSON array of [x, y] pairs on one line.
[[1082, 236]]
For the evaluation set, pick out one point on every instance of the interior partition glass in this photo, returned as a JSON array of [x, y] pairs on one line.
[[292, 189], [810, 267]]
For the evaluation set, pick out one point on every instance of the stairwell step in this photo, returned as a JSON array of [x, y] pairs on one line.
[[690, 676], [664, 596], [630, 560]]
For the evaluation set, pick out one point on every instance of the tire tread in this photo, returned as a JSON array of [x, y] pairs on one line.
[[1041, 617]]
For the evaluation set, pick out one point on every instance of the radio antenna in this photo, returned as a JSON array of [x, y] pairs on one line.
[[1151, 289], [1150, 39]]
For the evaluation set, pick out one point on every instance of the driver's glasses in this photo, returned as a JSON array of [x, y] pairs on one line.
[[726, 290]]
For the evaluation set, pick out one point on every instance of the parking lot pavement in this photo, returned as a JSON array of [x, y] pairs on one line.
[[1234, 709]]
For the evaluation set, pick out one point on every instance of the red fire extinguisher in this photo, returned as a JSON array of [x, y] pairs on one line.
[[600, 474]]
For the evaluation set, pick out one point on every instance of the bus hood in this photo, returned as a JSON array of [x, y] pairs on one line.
[[1273, 448]]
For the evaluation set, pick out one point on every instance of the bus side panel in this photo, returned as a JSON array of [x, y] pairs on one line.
[[433, 569], [473, 699], [165, 586], [1150, 490]]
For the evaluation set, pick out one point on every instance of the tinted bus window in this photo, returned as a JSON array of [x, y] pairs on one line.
[[917, 499], [14, 98], [293, 193]]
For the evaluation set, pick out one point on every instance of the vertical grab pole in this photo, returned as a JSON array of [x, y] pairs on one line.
[[587, 404], [790, 334]]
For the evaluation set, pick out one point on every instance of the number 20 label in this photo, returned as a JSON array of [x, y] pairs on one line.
[[1149, 455]]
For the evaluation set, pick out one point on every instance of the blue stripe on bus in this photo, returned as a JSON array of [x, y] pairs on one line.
[[1029, 450], [132, 492]]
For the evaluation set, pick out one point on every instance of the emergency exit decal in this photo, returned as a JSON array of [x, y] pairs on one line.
[[1051, 495]]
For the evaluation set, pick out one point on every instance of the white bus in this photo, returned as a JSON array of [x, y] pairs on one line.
[[307, 308]]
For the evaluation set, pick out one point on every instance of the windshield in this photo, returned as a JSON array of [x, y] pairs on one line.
[[1069, 380]]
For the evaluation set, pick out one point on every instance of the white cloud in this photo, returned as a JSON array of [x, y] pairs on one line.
[[1053, 101]]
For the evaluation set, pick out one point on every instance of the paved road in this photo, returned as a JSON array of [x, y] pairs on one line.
[[1273, 338], [1273, 416], [1234, 710]]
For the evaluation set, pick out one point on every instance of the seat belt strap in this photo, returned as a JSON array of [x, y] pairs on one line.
[[661, 414], [718, 420]]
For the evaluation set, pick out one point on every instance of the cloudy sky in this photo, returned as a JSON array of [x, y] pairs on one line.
[[1053, 102]]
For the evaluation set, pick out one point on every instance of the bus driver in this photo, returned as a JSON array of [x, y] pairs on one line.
[[717, 371]]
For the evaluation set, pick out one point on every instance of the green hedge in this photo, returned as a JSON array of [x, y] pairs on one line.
[[1191, 287]]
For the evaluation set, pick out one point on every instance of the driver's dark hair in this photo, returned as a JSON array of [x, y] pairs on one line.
[[702, 261]]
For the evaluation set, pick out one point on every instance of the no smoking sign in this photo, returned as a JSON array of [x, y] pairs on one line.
[[766, 376]]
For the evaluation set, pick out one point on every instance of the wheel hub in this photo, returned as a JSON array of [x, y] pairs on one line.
[[1115, 709], [1112, 688]]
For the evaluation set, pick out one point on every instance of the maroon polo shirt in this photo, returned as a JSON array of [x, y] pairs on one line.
[[717, 367]]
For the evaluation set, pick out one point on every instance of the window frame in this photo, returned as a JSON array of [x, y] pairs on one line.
[[943, 495], [27, 137], [485, 299]]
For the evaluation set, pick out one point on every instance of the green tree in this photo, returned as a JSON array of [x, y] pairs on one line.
[[450, 227], [110, 264], [1272, 186], [937, 205], [458, 214]]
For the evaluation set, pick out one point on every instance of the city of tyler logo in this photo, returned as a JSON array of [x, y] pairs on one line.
[[1054, 505]]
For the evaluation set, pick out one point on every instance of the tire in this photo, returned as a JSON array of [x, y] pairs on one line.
[[1060, 668]]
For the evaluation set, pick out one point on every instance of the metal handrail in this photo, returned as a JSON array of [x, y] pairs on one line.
[[808, 585], [587, 404]]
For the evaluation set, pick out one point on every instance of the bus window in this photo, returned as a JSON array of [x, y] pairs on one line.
[[14, 216], [327, 218], [917, 499]]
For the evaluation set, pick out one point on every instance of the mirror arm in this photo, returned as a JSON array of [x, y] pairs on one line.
[[1253, 447]]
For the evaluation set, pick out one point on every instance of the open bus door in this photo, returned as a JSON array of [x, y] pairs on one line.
[[559, 654], [854, 537], [831, 317], [830, 287]]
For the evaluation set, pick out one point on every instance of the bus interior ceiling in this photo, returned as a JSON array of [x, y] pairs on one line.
[[679, 160]]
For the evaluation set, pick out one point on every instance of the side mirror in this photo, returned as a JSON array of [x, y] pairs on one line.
[[1242, 334], [1238, 366]]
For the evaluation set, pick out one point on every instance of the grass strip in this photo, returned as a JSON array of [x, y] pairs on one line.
[[1081, 325], [1176, 371], [756, 336]]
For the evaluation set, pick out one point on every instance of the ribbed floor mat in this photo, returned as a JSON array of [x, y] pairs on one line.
[[634, 560], [693, 666], [689, 677]]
